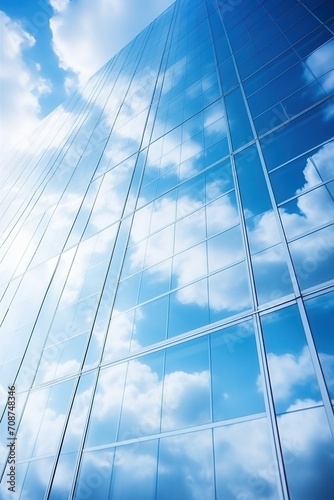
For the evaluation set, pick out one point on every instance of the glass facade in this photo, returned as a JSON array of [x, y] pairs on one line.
[[167, 267]]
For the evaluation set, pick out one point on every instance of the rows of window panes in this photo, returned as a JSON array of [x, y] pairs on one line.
[[185, 266]]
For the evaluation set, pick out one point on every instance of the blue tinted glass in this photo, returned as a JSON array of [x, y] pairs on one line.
[[271, 275], [228, 75], [238, 442], [303, 98], [240, 128], [274, 69], [34, 484], [254, 192], [229, 292], [235, 392], [95, 474], [262, 231], [141, 405], [106, 411], [292, 374], [290, 179], [150, 323], [320, 312], [313, 257], [313, 453], [125, 482], [65, 468], [310, 129], [186, 391], [192, 474], [311, 42]]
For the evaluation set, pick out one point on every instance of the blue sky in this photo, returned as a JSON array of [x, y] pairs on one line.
[[48, 47]]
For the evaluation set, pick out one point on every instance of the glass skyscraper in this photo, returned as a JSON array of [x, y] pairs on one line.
[[167, 267]]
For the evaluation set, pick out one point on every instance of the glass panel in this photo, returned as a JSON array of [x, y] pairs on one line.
[[188, 308], [79, 412], [150, 323], [321, 60], [62, 359], [159, 246], [106, 406], [292, 375], [94, 475], [228, 75], [43, 420], [271, 274], [186, 391], [308, 453], [119, 336], [262, 231], [128, 479], [307, 212], [186, 467], [155, 281], [224, 249], [253, 188], [36, 479], [301, 134], [190, 230], [241, 131], [320, 312], [127, 293], [62, 481], [313, 258], [229, 292], [293, 177], [141, 406], [235, 392], [245, 465], [218, 180], [189, 265], [221, 214]]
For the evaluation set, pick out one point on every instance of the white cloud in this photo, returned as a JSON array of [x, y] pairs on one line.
[[59, 5], [324, 161], [249, 455], [21, 84], [87, 34], [288, 371], [321, 62], [230, 292]]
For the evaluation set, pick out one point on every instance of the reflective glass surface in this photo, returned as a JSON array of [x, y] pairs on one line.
[[167, 267]]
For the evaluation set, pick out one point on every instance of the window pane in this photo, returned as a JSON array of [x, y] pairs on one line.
[[271, 274], [250, 471], [226, 248], [313, 258], [309, 459], [36, 479], [292, 375], [150, 324], [188, 308], [186, 391], [320, 312], [241, 131], [307, 212], [229, 292], [221, 214], [106, 409], [129, 480], [94, 475], [253, 188], [186, 467], [300, 135], [141, 406], [235, 392]]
